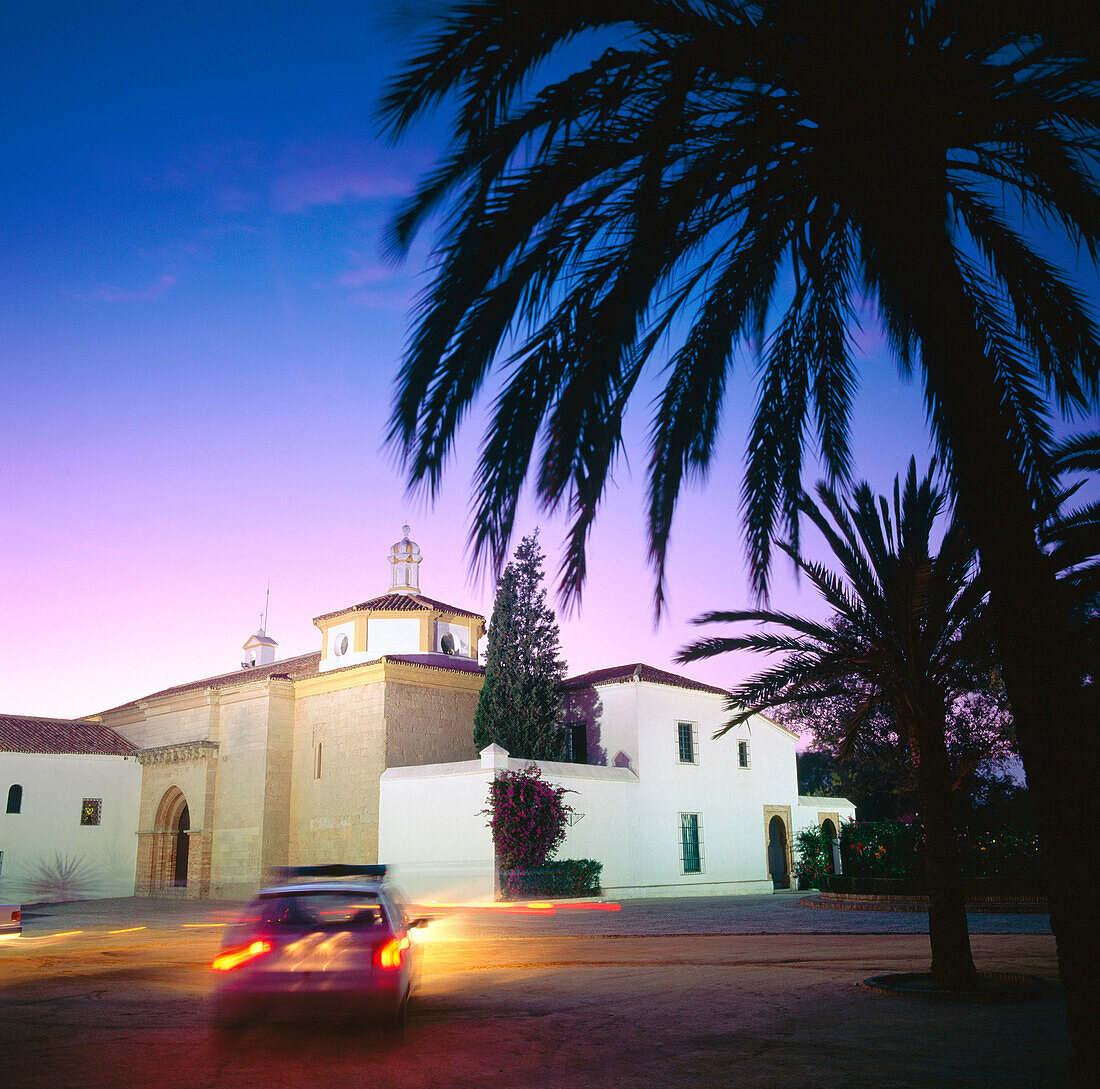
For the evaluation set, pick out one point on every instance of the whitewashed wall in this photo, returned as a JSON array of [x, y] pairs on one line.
[[401, 636], [432, 833], [728, 799], [431, 824], [47, 836]]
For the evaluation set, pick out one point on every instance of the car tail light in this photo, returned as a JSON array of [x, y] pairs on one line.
[[389, 954], [16, 916], [234, 958]]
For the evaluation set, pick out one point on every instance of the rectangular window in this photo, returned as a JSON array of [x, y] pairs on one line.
[[688, 737], [576, 742], [691, 843], [742, 754], [317, 749], [91, 810], [1, 861]]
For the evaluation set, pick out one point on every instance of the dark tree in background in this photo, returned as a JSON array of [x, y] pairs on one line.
[[520, 705], [876, 772]]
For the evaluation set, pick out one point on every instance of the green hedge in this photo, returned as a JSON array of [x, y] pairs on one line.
[[566, 877], [895, 849], [1022, 885]]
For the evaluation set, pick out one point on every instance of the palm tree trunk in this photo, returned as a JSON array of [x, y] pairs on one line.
[[949, 936], [1055, 711]]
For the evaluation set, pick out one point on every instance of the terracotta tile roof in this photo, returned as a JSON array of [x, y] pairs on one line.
[[403, 603], [625, 673], [450, 662], [305, 665], [23, 733]]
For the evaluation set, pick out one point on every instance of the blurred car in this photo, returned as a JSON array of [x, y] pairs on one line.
[[11, 919], [333, 942]]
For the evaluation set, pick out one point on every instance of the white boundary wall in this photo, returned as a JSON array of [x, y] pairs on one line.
[[432, 824]]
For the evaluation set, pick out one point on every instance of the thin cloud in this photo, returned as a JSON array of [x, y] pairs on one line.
[[326, 172], [335, 184], [156, 290]]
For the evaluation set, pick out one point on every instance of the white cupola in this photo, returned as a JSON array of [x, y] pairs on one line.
[[405, 565], [259, 650]]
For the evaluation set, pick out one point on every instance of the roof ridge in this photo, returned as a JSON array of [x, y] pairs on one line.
[[228, 679]]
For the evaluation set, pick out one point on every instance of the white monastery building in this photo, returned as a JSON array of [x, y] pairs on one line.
[[363, 751]]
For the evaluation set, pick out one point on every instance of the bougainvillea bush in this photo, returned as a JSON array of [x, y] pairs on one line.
[[528, 818], [815, 856]]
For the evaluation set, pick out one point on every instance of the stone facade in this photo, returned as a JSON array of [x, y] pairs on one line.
[[284, 770]]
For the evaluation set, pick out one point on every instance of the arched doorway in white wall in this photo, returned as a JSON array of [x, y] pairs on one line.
[[832, 837], [777, 854]]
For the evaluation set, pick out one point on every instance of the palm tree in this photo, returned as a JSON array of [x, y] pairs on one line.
[[736, 178], [1072, 534], [906, 633]]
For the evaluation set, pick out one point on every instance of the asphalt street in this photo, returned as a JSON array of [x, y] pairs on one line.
[[758, 991]]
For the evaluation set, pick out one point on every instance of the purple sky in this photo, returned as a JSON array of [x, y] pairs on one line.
[[199, 337]]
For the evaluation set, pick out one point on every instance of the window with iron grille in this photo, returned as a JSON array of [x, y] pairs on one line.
[[742, 754], [691, 843], [687, 735], [90, 811], [576, 742]]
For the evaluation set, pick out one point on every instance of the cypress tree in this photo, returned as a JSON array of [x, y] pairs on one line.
[[520, 704]]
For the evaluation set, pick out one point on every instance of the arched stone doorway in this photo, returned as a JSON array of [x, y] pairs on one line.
[[171, 846], [179, 869], [777, 854]]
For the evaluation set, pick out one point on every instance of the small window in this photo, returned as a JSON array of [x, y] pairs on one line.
[[317, 749], [688, 737], [742, 754], [91, 810], [691, 843], [576, 742], [15, 798], [1, 862]]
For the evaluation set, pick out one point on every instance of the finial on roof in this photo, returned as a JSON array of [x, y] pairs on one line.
[[404, 565]]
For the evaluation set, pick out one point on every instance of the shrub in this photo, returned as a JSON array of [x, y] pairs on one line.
[[528, 818], [1004, 855], [877, 850], [567, 877], [815, 856], [882, 849]]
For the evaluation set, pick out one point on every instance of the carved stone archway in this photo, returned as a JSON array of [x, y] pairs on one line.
[[172, 812], [174, 841]]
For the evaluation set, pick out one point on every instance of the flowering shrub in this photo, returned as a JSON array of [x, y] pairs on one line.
[[882, 849], [815, 855], [1004, 854], [528, 818], [895, 849]]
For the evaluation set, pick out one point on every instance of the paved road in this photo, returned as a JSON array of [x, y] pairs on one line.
[[782, 913], [662, 993]]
